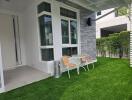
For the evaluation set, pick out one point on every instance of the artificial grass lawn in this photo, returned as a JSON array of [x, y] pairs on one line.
[[110, 80]]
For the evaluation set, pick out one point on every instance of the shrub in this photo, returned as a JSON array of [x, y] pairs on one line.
[[117, 43]]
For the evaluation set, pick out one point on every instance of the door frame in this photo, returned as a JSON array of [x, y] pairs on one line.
[[17, 24], [2, 88], [16, 33]]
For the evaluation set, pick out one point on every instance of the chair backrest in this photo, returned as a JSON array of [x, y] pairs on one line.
[[86, 58], [65, 60], [75, 60]]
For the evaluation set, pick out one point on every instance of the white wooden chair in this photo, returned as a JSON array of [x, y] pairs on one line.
[[68, 65], [86, 60]]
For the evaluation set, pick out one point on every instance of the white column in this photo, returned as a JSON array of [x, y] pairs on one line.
[[131, 35], [2, 88], [56, 30]]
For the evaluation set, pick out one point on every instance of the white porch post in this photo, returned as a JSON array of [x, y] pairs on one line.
[[131, 35], [130, 7], [2, 88]]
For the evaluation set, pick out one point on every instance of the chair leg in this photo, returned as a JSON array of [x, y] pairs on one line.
[[78, 71], [69, 74], [87, 67], [84, 68], [93, 65]]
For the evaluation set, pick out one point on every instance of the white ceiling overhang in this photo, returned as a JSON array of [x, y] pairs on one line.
[[92, 5], [96, 5]]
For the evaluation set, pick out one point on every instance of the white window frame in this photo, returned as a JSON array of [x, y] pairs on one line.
[[48, 46], [78, 35]]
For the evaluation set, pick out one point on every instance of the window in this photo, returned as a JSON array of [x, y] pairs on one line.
[[47, 54], [73, 26], [68, 13], [69, 35], [69, 51], [98, 13], [44, 6], [46, 34], [65, 31], [45, 24], [69, 32]]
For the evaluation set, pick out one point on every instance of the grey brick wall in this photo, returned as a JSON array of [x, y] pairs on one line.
[[88, 34]]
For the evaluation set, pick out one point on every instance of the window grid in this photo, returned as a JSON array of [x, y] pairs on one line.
[[46, 51], [70, 46], [69, 27]]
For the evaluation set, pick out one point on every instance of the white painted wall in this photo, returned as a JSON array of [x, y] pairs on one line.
[[110, 20], [7, 41], [31, 31], [10, 13], [103, 12], [31, 37]]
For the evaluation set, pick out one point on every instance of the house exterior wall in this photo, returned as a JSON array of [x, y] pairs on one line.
[[31, 30], [110, 20], [103, 12], [22, 43], [88, 34], [29, 33], [86, 40], [31, 37]]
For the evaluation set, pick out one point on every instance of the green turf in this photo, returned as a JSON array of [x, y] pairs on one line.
[[110, 80]]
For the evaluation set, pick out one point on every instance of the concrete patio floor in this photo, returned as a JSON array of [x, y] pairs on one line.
[[21, 76]]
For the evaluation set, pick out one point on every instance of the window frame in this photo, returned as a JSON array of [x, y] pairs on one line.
[[76, 31], [51, 30], [71, 48], [68, 30], [69, 11], [39, 40], [69, 19], [78, 22], [41, 4]]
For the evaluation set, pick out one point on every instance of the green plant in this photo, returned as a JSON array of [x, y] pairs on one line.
[[122, 11], [114, 44]]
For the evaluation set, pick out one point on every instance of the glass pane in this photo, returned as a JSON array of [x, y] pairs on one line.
[[44, 7], [69, 51], [73, 26], [98, 13], [66, 51], [74, 51], [65, 31], [47, 54], [68, 13], [46, 36]]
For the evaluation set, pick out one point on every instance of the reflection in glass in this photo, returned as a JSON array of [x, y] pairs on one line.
[[69, 51], [47, 54], [68, 13], [73, 26], [46, 36], [44, 6], [65, 31]]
